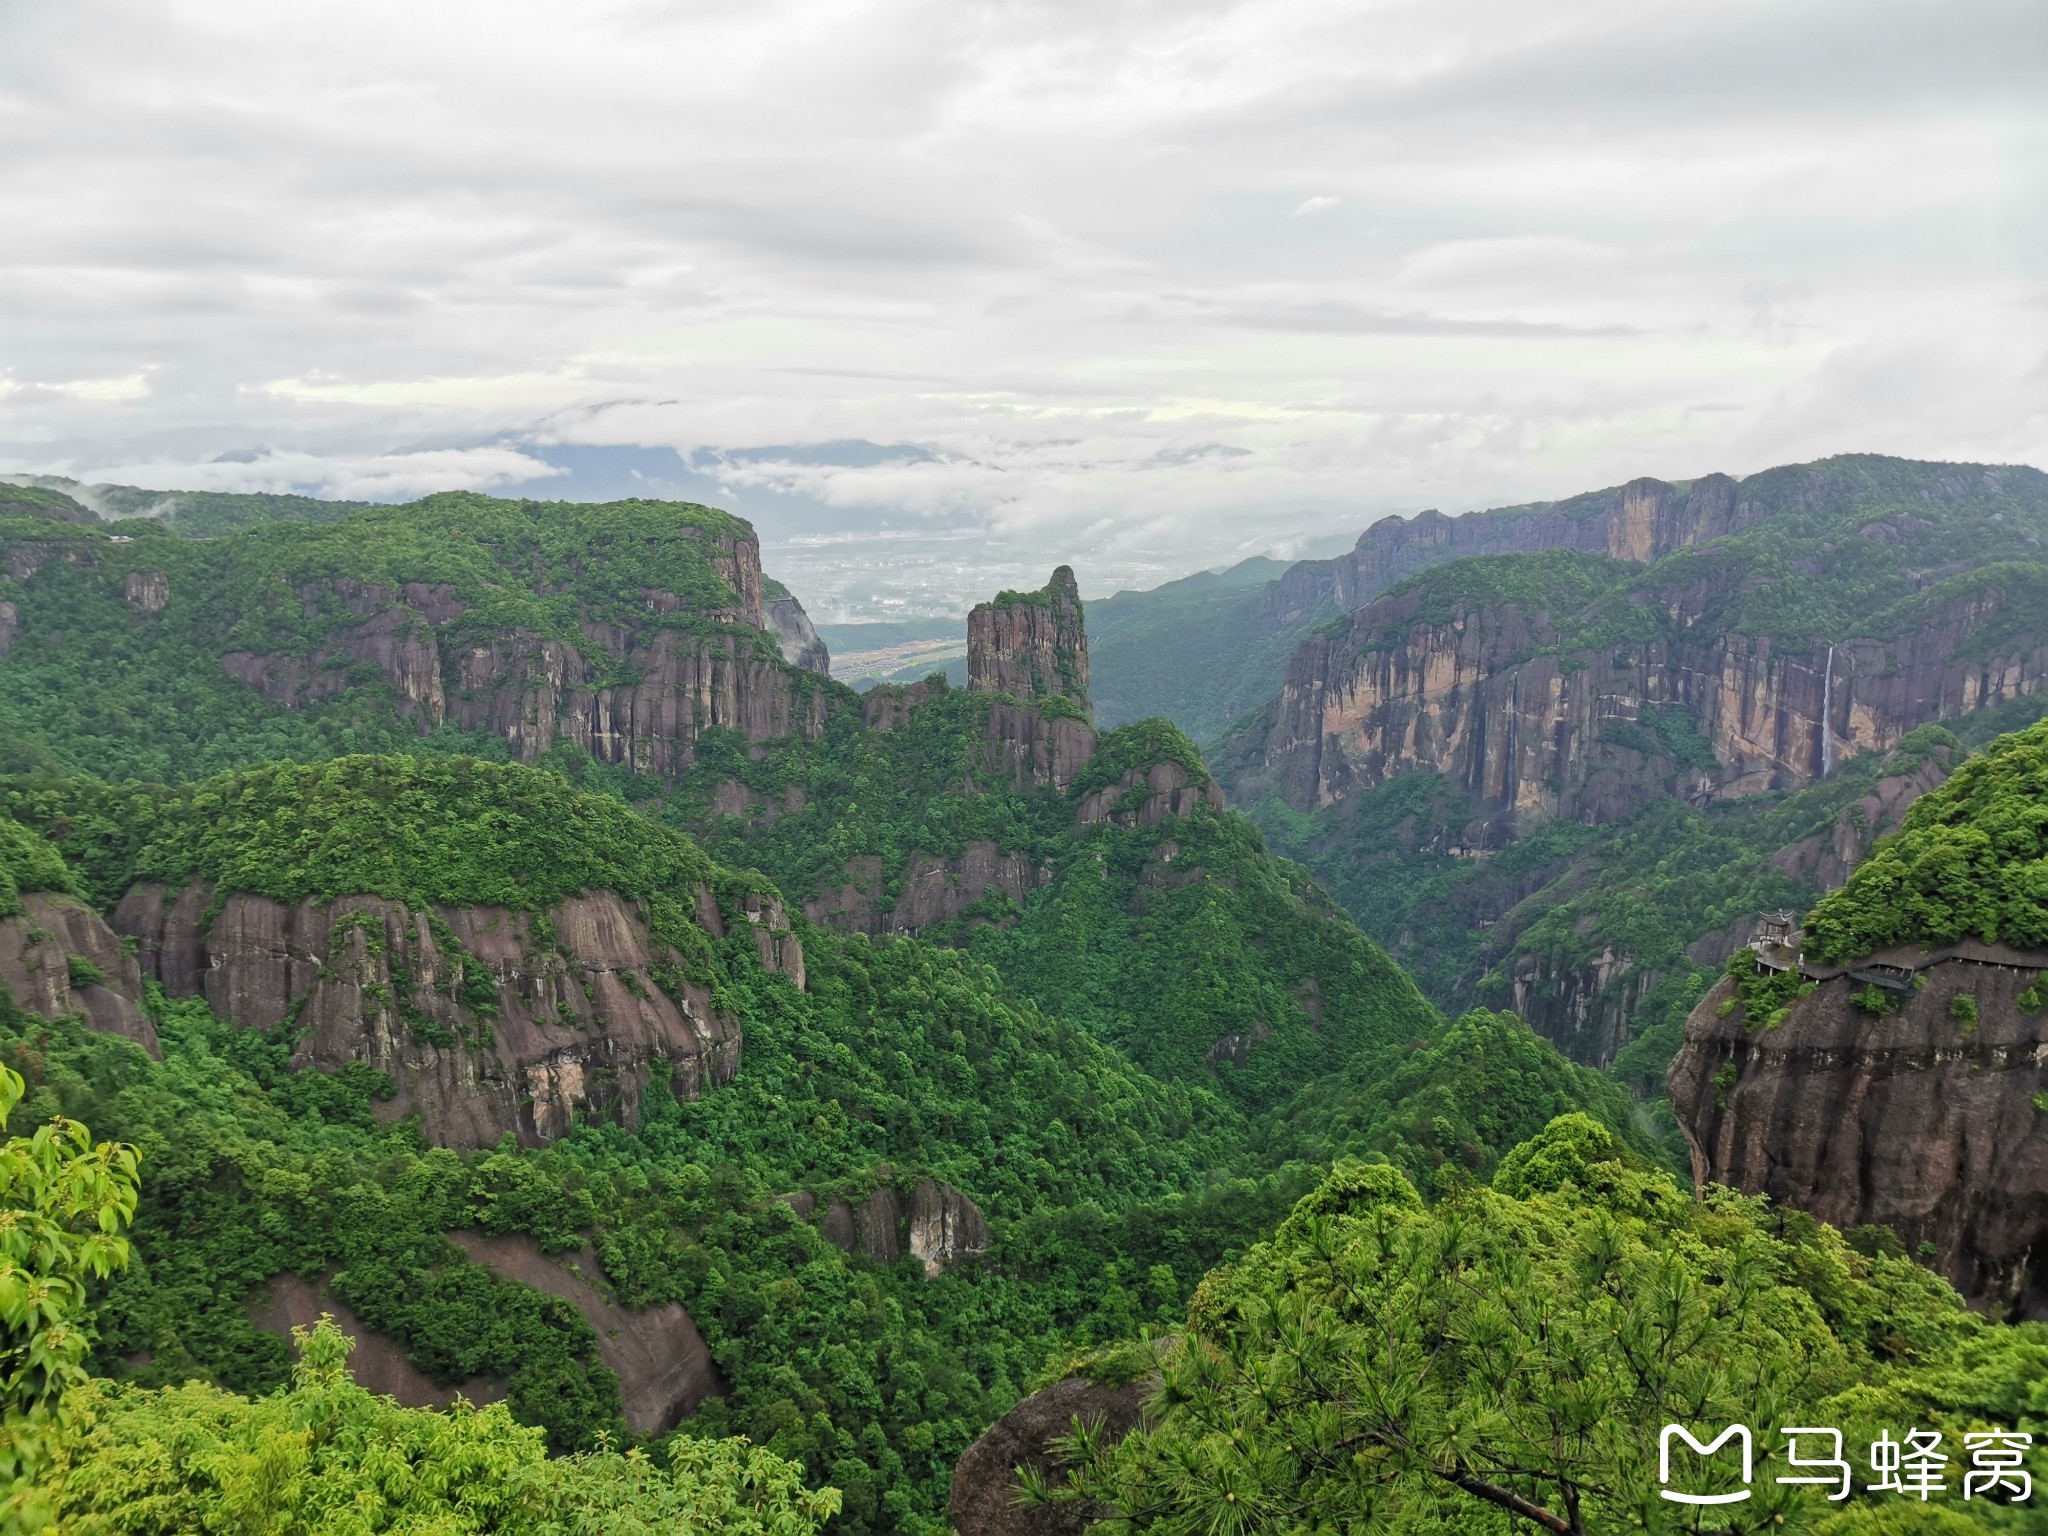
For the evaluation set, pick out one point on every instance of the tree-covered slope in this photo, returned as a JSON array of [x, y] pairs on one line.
[[1847, 532], [1970, 862], [1504, 1360], [1192, 650], [1559, 781], [133, 651]]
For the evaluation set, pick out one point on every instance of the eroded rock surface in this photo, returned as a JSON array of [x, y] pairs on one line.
[[664, 1367], [590, 1007], [1146, 796], [802, 646], [1529, 734], [985, 1478], [378, 1363], [36, 949], [936, 1224], [1031, 644], [1915, 1120]]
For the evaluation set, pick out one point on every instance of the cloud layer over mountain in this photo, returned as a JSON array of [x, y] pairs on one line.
[[1151, 284]]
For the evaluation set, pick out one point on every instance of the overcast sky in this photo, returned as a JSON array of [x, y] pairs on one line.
[[1142, 285]]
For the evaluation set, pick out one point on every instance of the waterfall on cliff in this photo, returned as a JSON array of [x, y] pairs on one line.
[[1827, 717]]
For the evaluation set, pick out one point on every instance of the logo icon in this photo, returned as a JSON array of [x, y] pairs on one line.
[[1736, 1432]]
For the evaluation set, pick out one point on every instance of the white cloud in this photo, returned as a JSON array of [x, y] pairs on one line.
[[1066, 250], [376, 477]]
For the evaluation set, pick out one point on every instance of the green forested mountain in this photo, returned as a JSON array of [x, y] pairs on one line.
[[1564, 781], [480, 930], [1195, 651], [1848, 535]]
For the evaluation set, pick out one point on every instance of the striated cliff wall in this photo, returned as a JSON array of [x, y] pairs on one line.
[[802, 646], [1499, 700], [1641, 521], [1030, 644], [1919, 1120], [487, 1021], [633, 695], [935, 1224], [37, 947]]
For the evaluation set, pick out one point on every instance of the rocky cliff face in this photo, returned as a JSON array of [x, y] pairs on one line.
[[792, 628], [663, 1365], [1920, 1121], [1028, 748], [38, 946], [1031, 644], [1641, 521], [1584, 1007], [936, 1225], [933, 890], [487, 1021], [1145, 796], [985, 1479], [634, 695], [1496, 699]]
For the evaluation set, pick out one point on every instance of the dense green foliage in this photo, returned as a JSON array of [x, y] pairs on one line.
[[64, 1202], [1135, 1072], [95, 685], [1646, 889], [1200, 651], [1444, 1109], [29, 863], [922, 788], [900, 1060], [424, 830], [1202, 958], [323, 1457], [1969, 862], [1505, 1358]]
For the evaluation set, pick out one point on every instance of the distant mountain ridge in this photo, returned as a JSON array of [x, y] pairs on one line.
[[1501, 763], [1243, 642]]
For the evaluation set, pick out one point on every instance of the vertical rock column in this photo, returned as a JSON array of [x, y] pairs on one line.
[[1031, 644]]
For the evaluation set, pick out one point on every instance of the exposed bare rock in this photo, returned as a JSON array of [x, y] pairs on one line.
[[1913, 1120], [36, 948], [855, 905], [1031, 644], [985, 1478], [664, 1367], [10, 621], [732, 798], [377, 1362], [590, 1006], [1584, 1006], [887, 705], [1146, 796], [1641, 521], [169, 929], [1029, 749], [634, 694], [146, 591], [944, 1226], [938, 1226], [801, 644], [932, 891], [1484, 698], [939, 890], [1825, 859]]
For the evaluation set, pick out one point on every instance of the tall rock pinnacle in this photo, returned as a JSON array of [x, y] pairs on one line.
[[1031, 644]]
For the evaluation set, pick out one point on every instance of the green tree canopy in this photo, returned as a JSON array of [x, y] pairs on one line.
[[1970, 862]]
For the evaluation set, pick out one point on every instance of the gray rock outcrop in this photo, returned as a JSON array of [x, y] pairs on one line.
[[589, 1006]]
